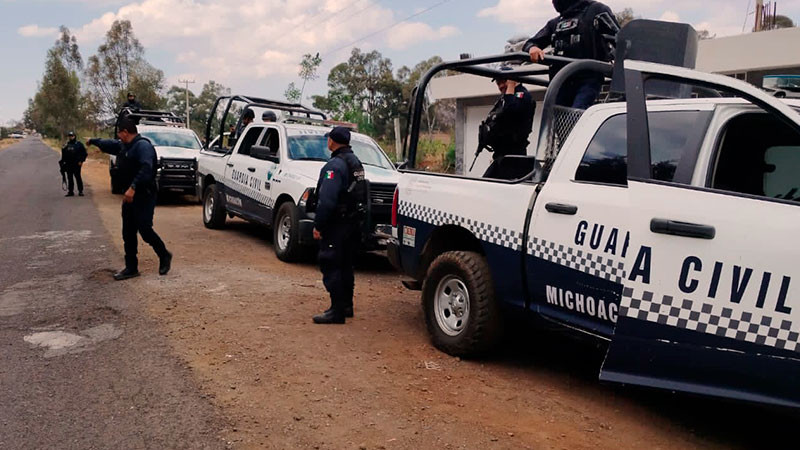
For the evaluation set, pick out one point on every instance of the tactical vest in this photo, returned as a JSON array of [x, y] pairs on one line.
[[356, 196]]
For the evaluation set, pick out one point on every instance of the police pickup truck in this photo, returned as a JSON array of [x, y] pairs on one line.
[[667, 228], [177, 148], [268, 174]]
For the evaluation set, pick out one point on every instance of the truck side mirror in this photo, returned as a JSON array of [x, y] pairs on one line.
[[400, 165], [264, 153]]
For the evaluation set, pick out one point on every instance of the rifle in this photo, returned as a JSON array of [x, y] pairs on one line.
[[63, 170], [483, 134]]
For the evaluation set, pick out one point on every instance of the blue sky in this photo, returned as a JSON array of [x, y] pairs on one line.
[[255, 48]]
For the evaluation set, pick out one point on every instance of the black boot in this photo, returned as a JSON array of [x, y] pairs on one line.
[[70, 194], [80, 194], [164, 263], [330, 317], [348, 311], [125, 274]]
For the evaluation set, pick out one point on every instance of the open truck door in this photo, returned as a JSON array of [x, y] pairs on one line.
[[711, 295]]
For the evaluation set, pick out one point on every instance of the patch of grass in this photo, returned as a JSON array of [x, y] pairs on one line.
[[437, 154], [7, 142]]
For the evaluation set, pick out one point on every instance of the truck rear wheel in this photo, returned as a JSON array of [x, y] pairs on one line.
[[459, 304], [286, 234], [213, 211]]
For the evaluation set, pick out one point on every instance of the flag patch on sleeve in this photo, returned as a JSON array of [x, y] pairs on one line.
[[329, 175], [520, 95]]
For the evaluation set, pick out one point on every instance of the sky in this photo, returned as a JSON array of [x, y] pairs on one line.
[[254, 46]]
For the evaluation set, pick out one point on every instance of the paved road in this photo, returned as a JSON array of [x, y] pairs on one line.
[[81, 366]]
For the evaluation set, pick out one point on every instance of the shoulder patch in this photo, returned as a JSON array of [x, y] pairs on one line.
[[329, 175]]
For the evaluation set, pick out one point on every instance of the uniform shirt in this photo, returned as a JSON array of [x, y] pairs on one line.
[[136, 161], [576, 33], [132, 104], [73, 153], [335, 179], [512, 124]]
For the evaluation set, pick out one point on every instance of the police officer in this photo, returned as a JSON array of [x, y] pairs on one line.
[[132, 103], [508, 126], [136, 162], [247, 118], [269, 116], [341, 198], [73, 155], [584, 29]]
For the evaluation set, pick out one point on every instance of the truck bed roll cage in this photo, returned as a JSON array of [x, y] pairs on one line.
[[528, 74], [148, 117], [294, 110]]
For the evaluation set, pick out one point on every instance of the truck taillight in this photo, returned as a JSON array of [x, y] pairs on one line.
[[394, 207]]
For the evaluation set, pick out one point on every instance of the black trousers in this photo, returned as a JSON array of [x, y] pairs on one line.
[[137, 218], [74, 175], [336, 254]]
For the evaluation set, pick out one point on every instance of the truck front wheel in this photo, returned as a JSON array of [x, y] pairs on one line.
[[213, 211], [286, 234], [459, 305]]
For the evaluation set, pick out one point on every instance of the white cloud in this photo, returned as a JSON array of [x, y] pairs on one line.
[[36, 31], [408, 34], [670, 16]]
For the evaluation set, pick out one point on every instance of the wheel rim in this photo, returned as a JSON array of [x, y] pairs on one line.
[[284, 232], [209, 209], [452, 305]]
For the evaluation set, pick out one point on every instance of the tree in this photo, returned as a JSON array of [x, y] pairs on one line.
[[293, 94], [56, 107], [202, 105], [118, 67], [434, 113], [364, 89], [625, 16], [783, 22], [308, 72], [705, 34]]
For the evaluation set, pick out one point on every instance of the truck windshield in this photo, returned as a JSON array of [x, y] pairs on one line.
[[788, 82], [314, 147], [168, 138]]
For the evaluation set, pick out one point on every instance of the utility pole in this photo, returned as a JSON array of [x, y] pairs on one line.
[[187, 83]]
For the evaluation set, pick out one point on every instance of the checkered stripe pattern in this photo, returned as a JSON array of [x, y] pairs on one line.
[[492, 234], [260, 197], [589, 263], [710, 319]]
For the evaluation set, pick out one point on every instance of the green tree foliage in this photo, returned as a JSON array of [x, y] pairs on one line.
[[309, 66], [783, 22], [437, 115], [293, 94], [57, 106], [625, 16], [119, 67], [365, 91]]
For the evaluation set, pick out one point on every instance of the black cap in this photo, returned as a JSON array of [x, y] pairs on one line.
[[340, 135], [503, 68], [130, 94], [269, 116], [71, 133]]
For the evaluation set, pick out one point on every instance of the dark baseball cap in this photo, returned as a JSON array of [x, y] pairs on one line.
[[71, 133], [339, 135], [502, 68]]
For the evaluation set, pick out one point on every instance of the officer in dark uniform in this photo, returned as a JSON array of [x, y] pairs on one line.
[[508, 126], [585, 29], [73, 155], [132, 103], [136, 163], [269, 116], [340, 211]]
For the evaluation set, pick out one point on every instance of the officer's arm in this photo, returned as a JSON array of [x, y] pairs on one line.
[[542, 39], [82, 153], [145, 155], [328, 196], [110, 146]]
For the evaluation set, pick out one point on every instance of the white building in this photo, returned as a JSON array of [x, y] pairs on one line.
[[748, 57]]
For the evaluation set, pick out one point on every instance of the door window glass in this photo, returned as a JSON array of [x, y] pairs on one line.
[[250, 140], [759, 155], [272, 140], [606, 158]]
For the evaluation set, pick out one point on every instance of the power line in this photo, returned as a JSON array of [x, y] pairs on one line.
[[375, 33]]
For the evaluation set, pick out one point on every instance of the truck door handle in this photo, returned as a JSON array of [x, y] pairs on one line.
[[251, 169], [560, 208], [230, 164], [684, 229]]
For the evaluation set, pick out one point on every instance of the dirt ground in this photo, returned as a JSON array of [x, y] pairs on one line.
[[241, 319]]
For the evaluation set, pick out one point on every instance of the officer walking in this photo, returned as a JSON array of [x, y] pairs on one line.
[[136, 162], [508, 126], [73, 155], [340, 211], [584, 29]]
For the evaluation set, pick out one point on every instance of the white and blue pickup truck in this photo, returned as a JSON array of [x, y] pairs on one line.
[[668, 229], [271, 171]]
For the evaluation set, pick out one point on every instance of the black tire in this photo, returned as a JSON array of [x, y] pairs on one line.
[[213, 211], [116, 188], [286, 234], [479, 327]]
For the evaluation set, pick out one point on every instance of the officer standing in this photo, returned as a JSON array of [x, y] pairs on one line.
[[73, 155], [508, 126], [132, 103], [340, 211], [585, 29], [136, 162]]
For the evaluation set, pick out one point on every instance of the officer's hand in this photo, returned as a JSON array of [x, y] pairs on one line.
[[511, 86], [537, 54], [80, 163], [317, 235], [129, 195]]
